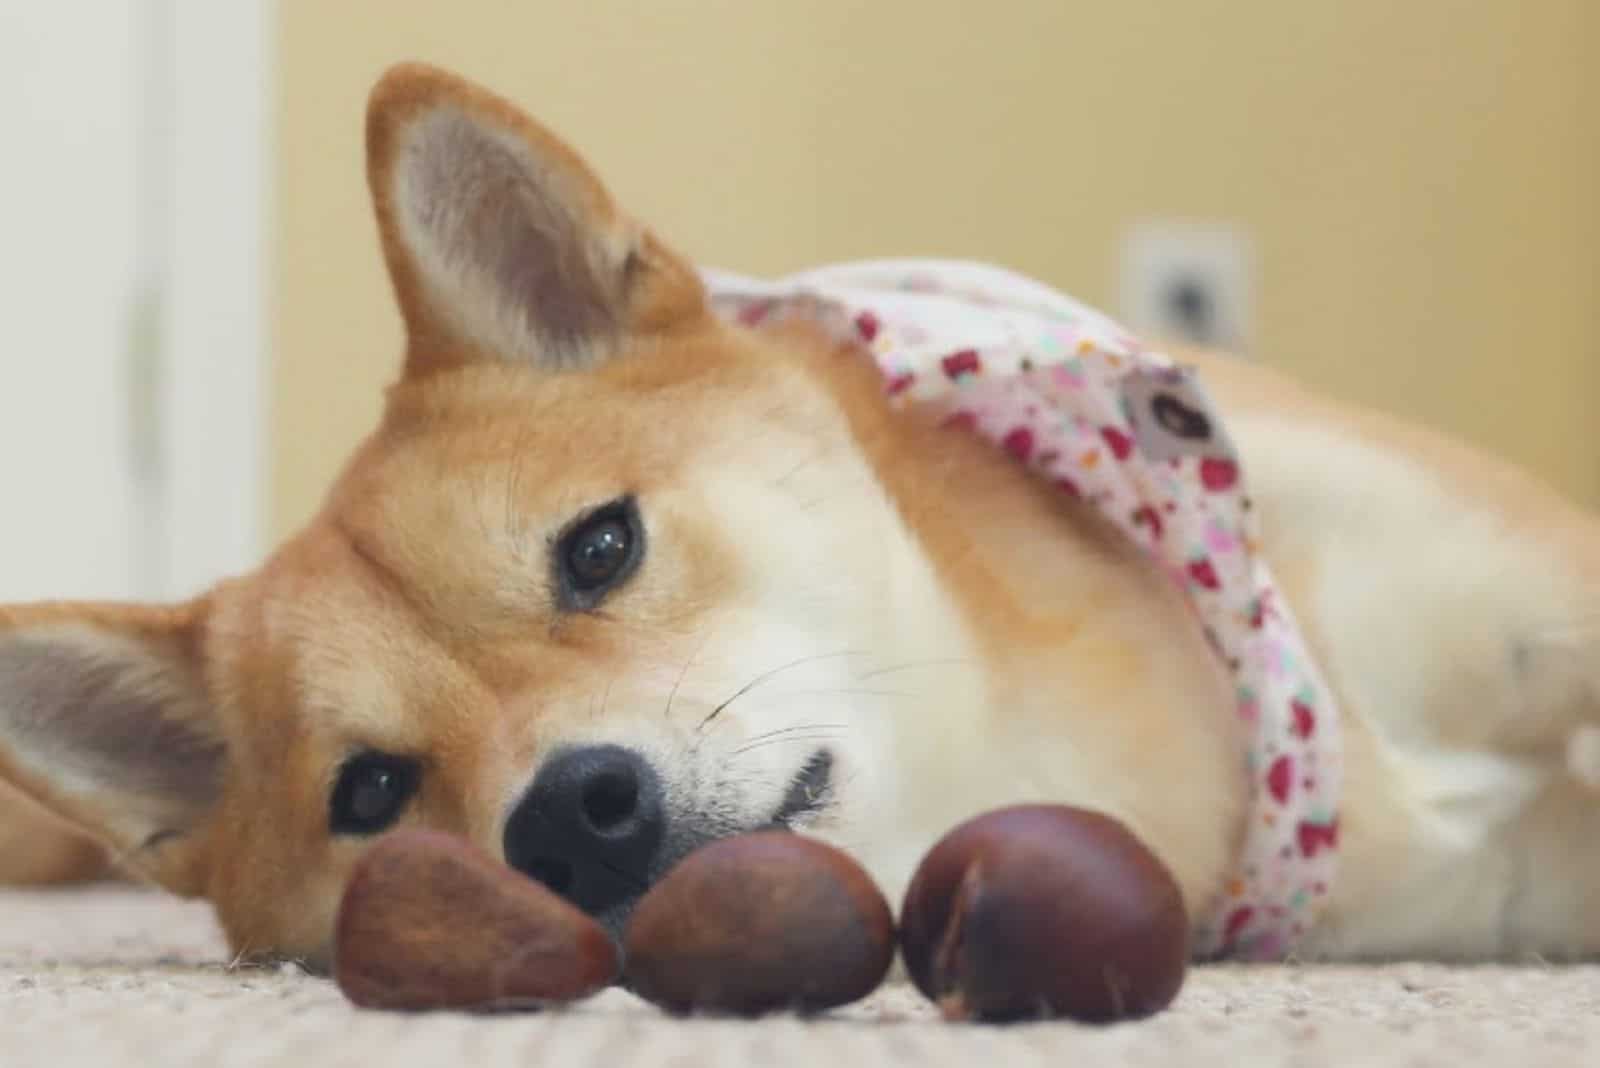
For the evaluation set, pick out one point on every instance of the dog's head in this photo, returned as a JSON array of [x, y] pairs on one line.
[[609, 580]]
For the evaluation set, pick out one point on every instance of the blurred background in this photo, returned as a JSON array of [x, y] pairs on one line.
[[1397, 202]]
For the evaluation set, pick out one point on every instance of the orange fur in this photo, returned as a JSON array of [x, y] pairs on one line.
[[794, 523]]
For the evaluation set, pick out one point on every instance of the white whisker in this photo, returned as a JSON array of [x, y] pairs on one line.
[[823, 736], [913, 665], [769, 676]]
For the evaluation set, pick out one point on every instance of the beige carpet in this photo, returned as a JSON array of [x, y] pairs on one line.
[[111, 977]]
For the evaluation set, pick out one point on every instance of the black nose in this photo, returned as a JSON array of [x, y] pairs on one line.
[[589, 826]]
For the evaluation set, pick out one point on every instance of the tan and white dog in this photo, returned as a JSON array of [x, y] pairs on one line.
[[614, 577]]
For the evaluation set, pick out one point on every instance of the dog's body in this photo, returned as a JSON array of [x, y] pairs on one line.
[[809, 610]]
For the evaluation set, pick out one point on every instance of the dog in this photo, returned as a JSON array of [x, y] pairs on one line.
[[617, 575]]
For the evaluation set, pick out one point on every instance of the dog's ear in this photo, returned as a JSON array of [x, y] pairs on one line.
[[500, 242], [105, 720]]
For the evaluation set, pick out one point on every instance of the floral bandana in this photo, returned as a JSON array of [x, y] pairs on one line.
[[1072, 396]]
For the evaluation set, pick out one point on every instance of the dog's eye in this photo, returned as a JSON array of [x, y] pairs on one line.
[[372, 790], [597, 553]]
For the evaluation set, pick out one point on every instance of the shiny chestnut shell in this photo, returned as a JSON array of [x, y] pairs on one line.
[[429, 922], [762, 922], [1039, 911]]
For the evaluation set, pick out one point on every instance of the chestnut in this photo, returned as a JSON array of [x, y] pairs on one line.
[[761, 922], [429, 922], [1039, 911]]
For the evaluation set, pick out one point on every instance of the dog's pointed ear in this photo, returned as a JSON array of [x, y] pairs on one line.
[[500, 242], [106, 721]]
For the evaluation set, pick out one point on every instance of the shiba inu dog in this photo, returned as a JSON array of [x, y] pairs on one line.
[[616, 576]]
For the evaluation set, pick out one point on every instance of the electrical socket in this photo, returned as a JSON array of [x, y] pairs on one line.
[[1190, 283]]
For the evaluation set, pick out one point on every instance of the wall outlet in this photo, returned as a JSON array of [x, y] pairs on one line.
[[1188, 282]]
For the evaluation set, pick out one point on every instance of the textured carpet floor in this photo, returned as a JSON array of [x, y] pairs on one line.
[[114, 977]]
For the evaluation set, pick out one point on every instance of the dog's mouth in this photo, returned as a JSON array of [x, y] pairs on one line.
[[809, 792], [807, 796]]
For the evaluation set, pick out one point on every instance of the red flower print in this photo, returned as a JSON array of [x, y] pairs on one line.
[[1148, 517], [1217, 475], [1316, 836], [965, 362], [1305, 720], [1204, 575], [1121, 445], [1019, 443], [1279, 778]]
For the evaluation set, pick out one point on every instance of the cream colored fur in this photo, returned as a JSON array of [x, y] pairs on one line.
[[821, 575]]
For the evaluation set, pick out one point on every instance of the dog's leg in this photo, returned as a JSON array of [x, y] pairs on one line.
[[37, 849]]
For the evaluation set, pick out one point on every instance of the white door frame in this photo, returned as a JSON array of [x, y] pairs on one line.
[[206, 262]]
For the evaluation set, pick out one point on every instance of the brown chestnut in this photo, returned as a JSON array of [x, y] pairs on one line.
[[762, 922], [429, 922], [1038, 911]]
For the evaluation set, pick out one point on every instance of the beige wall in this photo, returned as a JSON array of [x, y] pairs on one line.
[[1422, 179]]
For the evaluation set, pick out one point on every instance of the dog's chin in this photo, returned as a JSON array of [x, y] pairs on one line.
[[808, 796]]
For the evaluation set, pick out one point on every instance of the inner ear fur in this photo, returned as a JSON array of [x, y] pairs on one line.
[[500, 241], [105, 720]]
